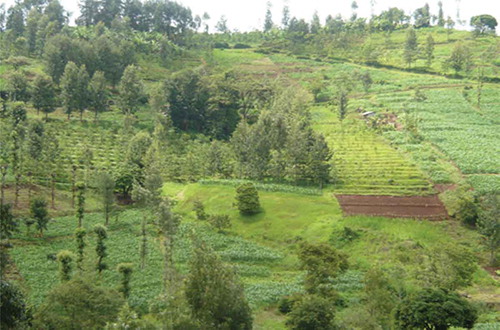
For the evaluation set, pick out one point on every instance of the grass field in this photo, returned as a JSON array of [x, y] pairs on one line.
[[261, 248]]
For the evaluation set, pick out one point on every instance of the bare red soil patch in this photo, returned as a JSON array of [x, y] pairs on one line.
[[417, 207]]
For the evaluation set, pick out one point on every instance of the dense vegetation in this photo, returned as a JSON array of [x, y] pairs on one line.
[[156, 175]]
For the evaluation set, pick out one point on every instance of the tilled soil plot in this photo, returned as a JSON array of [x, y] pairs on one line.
[[419, 207]]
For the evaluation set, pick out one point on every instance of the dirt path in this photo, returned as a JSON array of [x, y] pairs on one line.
[[417, 207]]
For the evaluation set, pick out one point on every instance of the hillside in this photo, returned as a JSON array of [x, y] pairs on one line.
[[377, 170]]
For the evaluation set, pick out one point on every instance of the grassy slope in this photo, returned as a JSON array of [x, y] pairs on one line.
[[261, 247]]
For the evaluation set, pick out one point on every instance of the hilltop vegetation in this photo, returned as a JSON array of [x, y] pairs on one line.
[[155, 175]]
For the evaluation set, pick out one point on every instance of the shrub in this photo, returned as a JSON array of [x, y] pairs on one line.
[[241, 46], [221, 45], [220, 222], [247, 199], [286, 303], [435, 309], [312, 312], [78, 302]]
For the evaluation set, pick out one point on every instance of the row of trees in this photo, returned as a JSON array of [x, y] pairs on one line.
[[77, 91]]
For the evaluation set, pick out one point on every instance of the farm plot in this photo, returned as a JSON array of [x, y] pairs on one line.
[[260, 267], [365, 163], [416, 207], [81, 145], [460, 131]]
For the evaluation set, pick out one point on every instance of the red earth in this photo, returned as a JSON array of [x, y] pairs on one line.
[[416, 207]]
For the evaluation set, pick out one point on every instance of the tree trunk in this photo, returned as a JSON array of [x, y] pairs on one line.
[[73, 186], [2, 187], [53, 190], [17, 189]]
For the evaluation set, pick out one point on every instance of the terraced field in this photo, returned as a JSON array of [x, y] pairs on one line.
[[365, 162], [83, 144]]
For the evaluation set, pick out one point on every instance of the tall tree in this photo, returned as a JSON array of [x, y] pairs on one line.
[[221, 25], [489, 225], [80, 234], [56, 14], [100, 249], [215, 293], [43, 95], [131, 91], [285, 18], [74, 89], [460, 58], [268, 20], [17, 86], [168, 222], [429, 49], [8, 224], [89, 10], [125, 269], [483, 24], [106, 191], [80, 204], [422, 17], [411, 47], [441, 21], [39, 212], [98, 93]]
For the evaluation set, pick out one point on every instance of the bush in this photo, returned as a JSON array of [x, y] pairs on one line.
[[221, 45], [241, 46], [435, 309], [247, 199], [312, 312], [78, 302], [467, 211], [286, 303]]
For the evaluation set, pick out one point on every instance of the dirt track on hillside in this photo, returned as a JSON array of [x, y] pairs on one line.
[[417, 207]]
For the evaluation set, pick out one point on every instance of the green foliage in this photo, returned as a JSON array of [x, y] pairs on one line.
[[488, 225], [411, 47], [247, 199], [106, 190], [74, 85], [435, 308], [80, 234], [8, 225], [80, 203], [43, 94], [312, 312], [467, 210], [199, 209], [321, 263], [40, 213], [65, 259], [483, 24], [98, 93], [460, 59], [13, 309], [214, 292], [131, 91], [221, 222], [100, 249], [126, 270], [78, 301], [380, 296], [448, 267]]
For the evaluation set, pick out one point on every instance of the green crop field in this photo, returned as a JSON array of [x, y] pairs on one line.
[[260, 248]]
